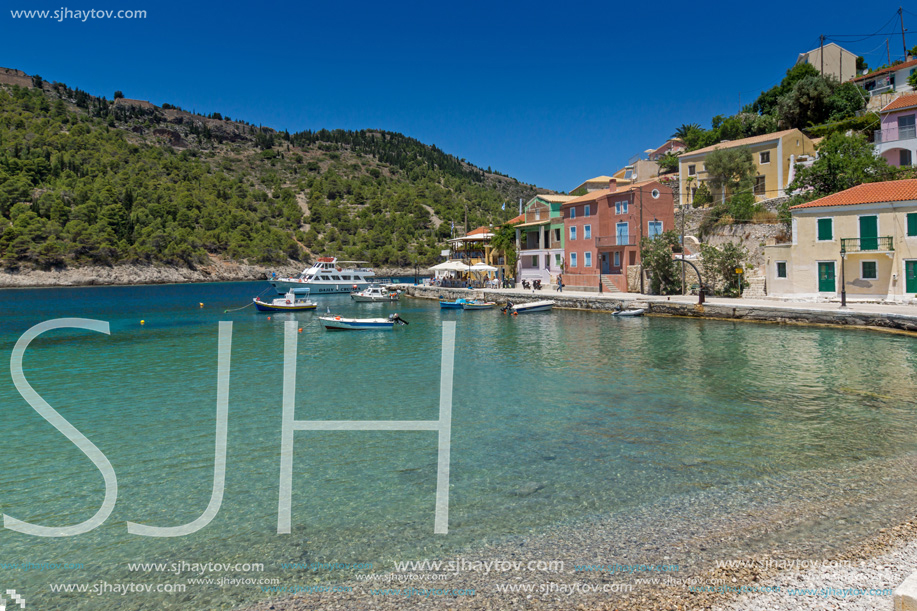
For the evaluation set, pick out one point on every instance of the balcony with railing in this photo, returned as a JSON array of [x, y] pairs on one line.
[[883, 136], [869, 245], [617, 240]]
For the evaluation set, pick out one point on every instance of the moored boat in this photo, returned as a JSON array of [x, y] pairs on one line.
[[525, 308], [452, 305], [327, 275], [291, 302], [375, 293], [479, 305], [634, 312], [339, 323]]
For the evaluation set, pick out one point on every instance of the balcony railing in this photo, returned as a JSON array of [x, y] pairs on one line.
[[626, 240], [881, 90], [883, 244], [892, 135]]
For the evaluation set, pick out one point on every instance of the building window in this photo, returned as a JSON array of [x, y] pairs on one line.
[[617, 259], [557, 234], [825, 230], [534, 260], [764, 157], [869, 270], [573, 212], [572, 233], [622, 234], [904, 158], [556, 260], [759, 186], [781, 269], [572, 259], [654, 228], [587, 232], [692, 170], [912, 224], [586, 210], [588, 257], [621, 207], [906, 127], [655, 193]]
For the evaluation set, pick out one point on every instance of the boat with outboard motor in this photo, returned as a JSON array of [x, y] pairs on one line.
[[525, 308], [327, 276], [339, 323]]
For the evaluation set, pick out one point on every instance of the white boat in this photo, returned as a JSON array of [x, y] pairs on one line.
[[636, 312], [290, 302], [478, 305], [326, 276], [339, 323], [525, 308], [375, 293]]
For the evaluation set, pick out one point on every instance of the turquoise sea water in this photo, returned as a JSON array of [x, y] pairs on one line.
[[556, 416]]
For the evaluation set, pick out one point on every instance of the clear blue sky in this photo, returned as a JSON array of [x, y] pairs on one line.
[[550, 93]]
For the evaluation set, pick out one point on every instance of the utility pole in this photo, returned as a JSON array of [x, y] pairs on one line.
[[640, 243], [888, 52], [821, 52], [683, 213], [903, 43]]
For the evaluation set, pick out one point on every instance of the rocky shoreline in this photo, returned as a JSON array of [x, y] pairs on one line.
[[132, 274]]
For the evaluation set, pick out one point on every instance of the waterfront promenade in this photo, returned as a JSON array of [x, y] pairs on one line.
[[893, 316]]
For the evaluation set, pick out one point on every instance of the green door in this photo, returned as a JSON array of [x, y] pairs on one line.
[[869, 233], [826, 282], [910, 276]]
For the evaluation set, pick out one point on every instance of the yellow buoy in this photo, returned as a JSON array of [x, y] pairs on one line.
[[202, 305], [142, 321]]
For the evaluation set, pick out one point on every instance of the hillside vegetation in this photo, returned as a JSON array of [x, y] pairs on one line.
[[85, 180]]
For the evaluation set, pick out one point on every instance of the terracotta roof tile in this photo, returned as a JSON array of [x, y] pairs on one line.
[[515, 219], [902, 101], [907, 64], [868, 193], [742, 142], [594, 195]]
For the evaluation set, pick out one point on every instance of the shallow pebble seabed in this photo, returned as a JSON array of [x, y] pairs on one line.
[[858, 524]]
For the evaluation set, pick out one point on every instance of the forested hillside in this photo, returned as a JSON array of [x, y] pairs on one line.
[[85, 180]]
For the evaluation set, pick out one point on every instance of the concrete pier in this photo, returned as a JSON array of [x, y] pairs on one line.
[[872, 315]]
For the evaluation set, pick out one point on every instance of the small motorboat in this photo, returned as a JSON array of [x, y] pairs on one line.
[[291, 302], [374, 294], [451, 305], [633, 312], [339, 323], [525, 308], [478, 305]]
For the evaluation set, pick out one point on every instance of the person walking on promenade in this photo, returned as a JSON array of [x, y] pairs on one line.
[[560, 283]]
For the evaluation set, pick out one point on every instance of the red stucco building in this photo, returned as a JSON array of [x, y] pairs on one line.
[[602, 232]]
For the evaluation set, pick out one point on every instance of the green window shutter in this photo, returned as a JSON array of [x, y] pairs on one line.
[[781, 269], [825, 229], [912, 224]]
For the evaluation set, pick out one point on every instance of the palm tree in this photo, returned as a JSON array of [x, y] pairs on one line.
[[683, 132]]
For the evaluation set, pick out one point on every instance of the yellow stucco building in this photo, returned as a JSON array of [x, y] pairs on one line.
[[774, 156], [862, 240]]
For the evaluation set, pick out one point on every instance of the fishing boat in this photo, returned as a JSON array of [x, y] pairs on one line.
[[525, 308], [291, 302], [339, 323], [451, 305], [327, 276], [634, 312], [375, 293], [478, 305]]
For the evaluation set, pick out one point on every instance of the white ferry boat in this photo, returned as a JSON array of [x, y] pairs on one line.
[[327, 275]]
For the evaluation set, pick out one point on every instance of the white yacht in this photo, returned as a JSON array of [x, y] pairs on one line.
[[327, 275]]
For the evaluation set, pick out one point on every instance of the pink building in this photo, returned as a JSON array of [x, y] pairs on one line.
[[896, 141]]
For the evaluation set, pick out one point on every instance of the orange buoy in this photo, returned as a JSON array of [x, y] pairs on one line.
[[268, 317], [300, 329]]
